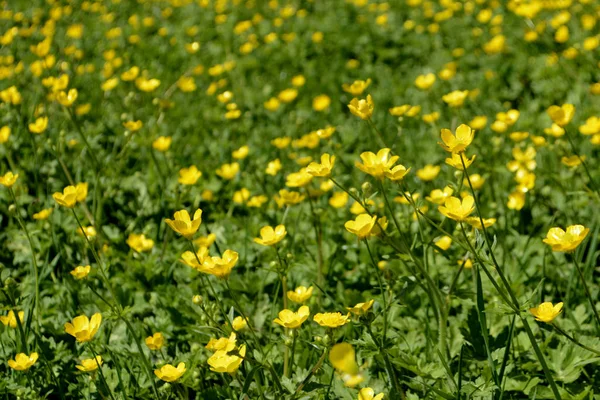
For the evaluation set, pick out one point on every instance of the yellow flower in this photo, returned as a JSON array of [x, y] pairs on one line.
[[133, 126], [189, 176], [567, 241], [228, 171], [555, 130], [220, 266], [323, 169], [10, 320], [361, 308], [39, 125], [241, 196], [42, 215], [162, 143], [454, 209], [456, 98], [478, 122], [591, 127], [195, 261], [281, 142], [23, 362], [140, 243], [298, 80], [438, 196], [273, 167], [82, 328], [183, 224], [331, 320], [362, 108], [90, 364], [426, 81], [561, 115], [475, 222], [546, 312], [572, 161], [361, 226], [272, 104], [377, 165], [298, 179], [169, 373], [130, 74], [516, 200], [205, 241], [292, 320], [300, 295], [147, 85], [270, 236], [287, 95], [428, 172], [338, 199], [241, 153], [222, 344], [342, 357], [223, 362], [444, 242], [456, 162], [88, 231], [156, 341], [369, 394], [4, 134], [357, 87], [9, 179], [81, 272], [321, 102], [68, 198], [82, 191], [286, 197], [67, 98], [476, 180], [239, 323], [457, 144]]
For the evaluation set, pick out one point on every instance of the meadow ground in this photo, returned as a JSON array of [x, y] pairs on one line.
[[299, 199]]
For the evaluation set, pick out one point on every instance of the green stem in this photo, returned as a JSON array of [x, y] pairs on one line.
[[100, 371], [572, 339], [587, 292]]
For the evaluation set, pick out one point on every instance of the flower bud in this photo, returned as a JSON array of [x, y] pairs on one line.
[[367, 189], [197, 299], [12, 209]]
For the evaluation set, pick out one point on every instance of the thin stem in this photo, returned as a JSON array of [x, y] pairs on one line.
[[572, 339], [100, 370], [587, 292]]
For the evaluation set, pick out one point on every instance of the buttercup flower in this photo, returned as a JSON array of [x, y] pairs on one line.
[[298, 179], [331, 320], [68, 198], [183, 224], [567, 241], [220, 266], [156, 341], [81, 272], [561, 115], [428, 172], [42, 215], [189, 176], [292, 320], [457, 144], [546, 312], [239, 323], [9, 179], [324, 168], [23, 362], [378, 165], [454, 209], [225, 344], [362, 108], [343, 359], [162, 143], [169, 373], [361, 226], [357, 87], [270, 236], [82, 328], [369, 394], [224, 362], [90, 364], [140, 243], [39, 125], [456, 162], [456, 98], [300, 295], [228, 171], [426, 81], [10, 320], [361, 308]]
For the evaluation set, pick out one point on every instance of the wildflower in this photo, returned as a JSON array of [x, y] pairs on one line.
[[4, 134], [425, 82], [361, 226], [321, 102], [292, 320], [475, 222], [338, 200], [67, 98], [300, 295], [572, 161], [272, 104], [457, 143], [156, 341], [270, 236], [239, 323], [454, 209], [377, 165], [444, 242], [82, 328], [477, 181], [183, 224], [478, 122], [222, 344], [369, 394], [88, 231], [228, 171], [169, 373], [357, 87], [241, 153], [362, 108], [343, 359], [23, 362], [428, 172], [9, 179], [197, 299], [516, 200], [90, 364], [561, 115], [324, 168], [331, 320], [287, 95], [456, 98], [39, 125], [361, 308], [456, 162], [567, 241], [298, 179], [43, 214], [223, 362], [546, 312], [162, 143], [68, 198], [81, 272], [554, 130], [273, 167], [189, 176], [220, 266], [10, 319], [438, 196], [140, 243]]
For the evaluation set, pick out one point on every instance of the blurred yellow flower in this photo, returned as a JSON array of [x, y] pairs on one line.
[[39, 125], [357, 87], [22, 361], [300, 295], [239, 323], [162, 143], [324, 168], [90, 364], [270, 236], [228, 171], [139, 242], [361, 226], [43, 214], [321, 102], [369, 394], [425, 82], [169, 373], [189, 176], [8, 179], [68, 198], [456, 98], [362, 108], [10, 319], [156, 341], [361, 308], [81, 271], [561, 115]]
